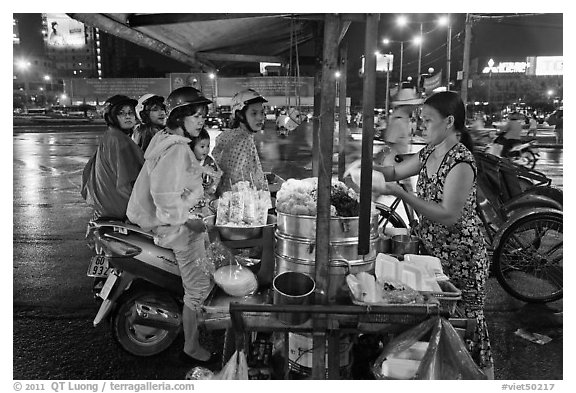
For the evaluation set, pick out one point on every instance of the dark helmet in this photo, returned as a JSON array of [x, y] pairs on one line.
[[185, 96], [144, 105], [114, 103]]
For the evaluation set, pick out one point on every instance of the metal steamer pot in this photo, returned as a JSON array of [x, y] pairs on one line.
[[337, 270], [305, 249], [341, 228]]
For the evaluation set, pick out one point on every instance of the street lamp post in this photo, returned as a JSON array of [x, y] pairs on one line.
[[445, 21], [419, 55], [490, 65], [386, 41]]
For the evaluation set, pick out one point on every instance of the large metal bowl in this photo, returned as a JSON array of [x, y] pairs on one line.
[[238, 233]]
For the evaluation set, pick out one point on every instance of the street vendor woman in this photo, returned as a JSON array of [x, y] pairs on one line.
[[235, 151], [445, 201]]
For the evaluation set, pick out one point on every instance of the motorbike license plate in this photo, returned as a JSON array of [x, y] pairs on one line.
[[98, 267]]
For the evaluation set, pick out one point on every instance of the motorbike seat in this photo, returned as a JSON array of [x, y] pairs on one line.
[[121, 226]]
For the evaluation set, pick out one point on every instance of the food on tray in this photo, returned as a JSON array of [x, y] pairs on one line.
[[366, 289], [236, 280], [299, 197], [243, 206]]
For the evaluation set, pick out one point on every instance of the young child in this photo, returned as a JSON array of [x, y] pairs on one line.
[[201, 147]]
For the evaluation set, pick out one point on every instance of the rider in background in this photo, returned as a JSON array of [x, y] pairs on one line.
[[512, 132], [235, 150], [151, 113], [110, 174]]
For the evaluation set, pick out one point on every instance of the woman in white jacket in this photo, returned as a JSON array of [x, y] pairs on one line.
[[168, 189]]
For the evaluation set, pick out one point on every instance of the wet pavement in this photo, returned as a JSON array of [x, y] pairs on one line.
[[53, 336]]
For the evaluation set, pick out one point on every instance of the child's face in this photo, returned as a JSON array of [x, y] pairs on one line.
[[201, 149]]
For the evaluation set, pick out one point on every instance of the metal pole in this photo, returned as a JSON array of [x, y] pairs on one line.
[[387, 87], [401, 61], [343, 125], [368, 99], [420, 57], [448, 51], [466, 59]]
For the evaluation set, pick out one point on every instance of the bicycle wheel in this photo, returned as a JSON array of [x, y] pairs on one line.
[[386, 216], [528, 259]]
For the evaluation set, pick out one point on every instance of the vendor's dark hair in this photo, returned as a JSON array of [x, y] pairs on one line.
[[449, 103], [177, 115]]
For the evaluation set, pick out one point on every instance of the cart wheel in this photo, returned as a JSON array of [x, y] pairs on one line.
[[528, 261]]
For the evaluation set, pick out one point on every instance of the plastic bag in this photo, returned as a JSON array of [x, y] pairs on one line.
[[235, 368], [199, 373], [445, 359]]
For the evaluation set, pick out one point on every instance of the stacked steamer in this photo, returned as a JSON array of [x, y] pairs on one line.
[[296, 233]]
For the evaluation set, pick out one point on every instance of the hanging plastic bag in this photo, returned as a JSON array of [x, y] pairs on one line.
[[236, 368], [446, 357]]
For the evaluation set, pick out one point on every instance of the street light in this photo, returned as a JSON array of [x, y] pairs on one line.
[[445, 21], [214, 89], [418, 41], [490, 65], [386, 41]]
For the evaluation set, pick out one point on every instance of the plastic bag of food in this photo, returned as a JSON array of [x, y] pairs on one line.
[[235, 369], [236, 280], [199, 373], [446, 357]]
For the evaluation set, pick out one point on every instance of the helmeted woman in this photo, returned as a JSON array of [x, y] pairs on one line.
[[235, 150], [167, 190], [110, 174], [151, 112]]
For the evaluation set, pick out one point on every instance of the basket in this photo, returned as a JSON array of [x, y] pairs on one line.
[[404, 314], [448, 297]]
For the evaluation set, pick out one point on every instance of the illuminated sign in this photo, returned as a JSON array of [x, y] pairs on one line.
[[535, 65], [508, 67], [64, 32], [547, 65]]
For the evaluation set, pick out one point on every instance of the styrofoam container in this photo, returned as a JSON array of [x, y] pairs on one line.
[[430, 265], [400, 368], [415, 352], [411, 276], [385, 267]]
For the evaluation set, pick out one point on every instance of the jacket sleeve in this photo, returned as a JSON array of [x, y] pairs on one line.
[[129, 160], [175, 186]]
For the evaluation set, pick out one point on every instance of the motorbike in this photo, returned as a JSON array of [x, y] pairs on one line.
[[140, 287], [524, 153], [142, 292]]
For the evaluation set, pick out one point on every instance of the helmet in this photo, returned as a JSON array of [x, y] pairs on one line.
[[114, 102], [185, 96], [144, 104], [244, 98]]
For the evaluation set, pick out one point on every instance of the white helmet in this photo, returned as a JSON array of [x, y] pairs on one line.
[[244, 98], [147, 100]]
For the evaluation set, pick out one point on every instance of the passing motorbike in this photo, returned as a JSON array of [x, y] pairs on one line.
[[524, 153]]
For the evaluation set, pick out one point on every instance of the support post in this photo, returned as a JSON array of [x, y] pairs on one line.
[[368, 99], [343, 124], [325, 150]]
